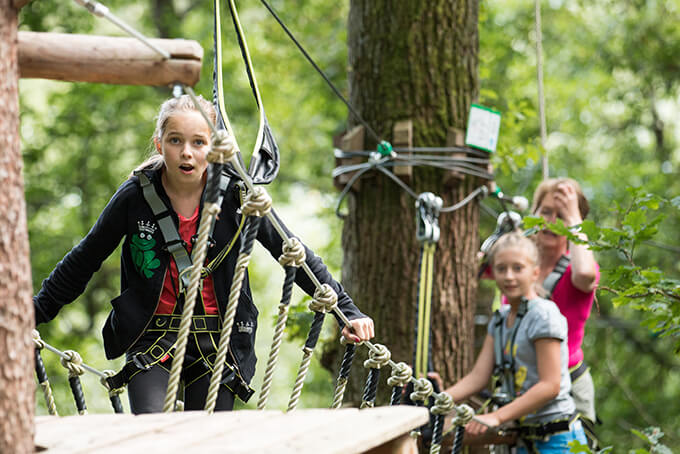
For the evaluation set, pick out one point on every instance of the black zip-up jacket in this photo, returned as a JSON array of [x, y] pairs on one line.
[[144, 263]]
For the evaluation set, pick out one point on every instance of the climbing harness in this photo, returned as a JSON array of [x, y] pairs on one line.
[[504, 364], [551, 280]]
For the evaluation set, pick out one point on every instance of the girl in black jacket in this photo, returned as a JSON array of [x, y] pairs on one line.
[[145, 317]]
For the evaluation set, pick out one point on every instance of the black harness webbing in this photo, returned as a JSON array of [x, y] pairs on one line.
[[504, 366], [162, 214], [551, 280]]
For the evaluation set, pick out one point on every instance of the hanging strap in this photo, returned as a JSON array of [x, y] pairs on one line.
[[163, 216], [265, 160], [555, 275]]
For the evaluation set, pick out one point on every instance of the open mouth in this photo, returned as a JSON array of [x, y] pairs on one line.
[[186, 168]]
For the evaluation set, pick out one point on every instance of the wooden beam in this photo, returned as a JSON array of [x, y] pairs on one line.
[[402, 137], [108, 60], [353, 140]]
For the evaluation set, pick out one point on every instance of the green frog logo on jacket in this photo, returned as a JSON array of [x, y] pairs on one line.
[[141, 249]]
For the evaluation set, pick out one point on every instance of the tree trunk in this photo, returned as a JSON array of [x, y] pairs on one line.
[[16, 311], [419, 62]]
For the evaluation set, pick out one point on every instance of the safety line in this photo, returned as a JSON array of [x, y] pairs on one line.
[[332, 86]]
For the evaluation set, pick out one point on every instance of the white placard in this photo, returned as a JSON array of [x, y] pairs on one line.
[[483, 127]]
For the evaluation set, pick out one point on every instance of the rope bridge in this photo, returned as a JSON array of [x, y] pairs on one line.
[[225, 156]]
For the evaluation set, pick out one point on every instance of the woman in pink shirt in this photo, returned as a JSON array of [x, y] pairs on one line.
[[574, 292]]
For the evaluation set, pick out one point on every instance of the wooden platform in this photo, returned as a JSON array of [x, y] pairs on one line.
[[344, 431]]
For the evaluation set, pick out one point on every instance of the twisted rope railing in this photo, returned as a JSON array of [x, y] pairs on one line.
[[42, 374], [374, 362], [325, 300], [343, 374], [291, 259], [256, 204], [401, 375]]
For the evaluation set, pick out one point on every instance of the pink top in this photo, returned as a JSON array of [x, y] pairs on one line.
[[575, 305], [166, 305]]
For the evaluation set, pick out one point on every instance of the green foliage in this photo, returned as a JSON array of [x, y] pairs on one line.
[[643, 288]]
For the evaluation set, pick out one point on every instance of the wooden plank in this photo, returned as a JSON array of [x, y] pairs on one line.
[[181, 435], [343, 431], [402, 137], [455, 138], [353, 140], [104, 59]]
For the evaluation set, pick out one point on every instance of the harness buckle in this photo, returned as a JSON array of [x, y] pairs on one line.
[[141, 362]]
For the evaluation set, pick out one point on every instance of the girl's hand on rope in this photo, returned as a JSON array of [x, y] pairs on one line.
[[361, 330], [566, 200], [482, 423], [434, 377]]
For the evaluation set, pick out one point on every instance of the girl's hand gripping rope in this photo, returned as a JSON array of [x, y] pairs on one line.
[[360, 330]]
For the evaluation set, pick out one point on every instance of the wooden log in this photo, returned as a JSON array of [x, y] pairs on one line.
[[402, 137], [353, 140], [110, 60]]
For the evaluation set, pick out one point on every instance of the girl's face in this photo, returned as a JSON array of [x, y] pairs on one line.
[[515, 273], [184, 146], [550, 211]]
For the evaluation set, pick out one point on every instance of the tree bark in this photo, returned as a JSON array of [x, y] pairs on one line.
[[416, 61], [16, 311]]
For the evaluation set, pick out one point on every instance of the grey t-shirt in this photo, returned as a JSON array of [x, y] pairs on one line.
[[542, 320]]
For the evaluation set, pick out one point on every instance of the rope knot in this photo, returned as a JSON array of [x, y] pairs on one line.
[[443, 404], [223, 147], [39, 343], [257, 203], [401, 374], [73, 362], [378, 357], [325, 299], [293, 253], [465, 413], [422, 389]]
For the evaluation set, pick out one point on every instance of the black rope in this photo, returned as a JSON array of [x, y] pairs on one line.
[[78, 396], [315, 330], [371, 388], [347, 359], [115, 403], [370, 130], [437, 429], [40, 368], [288, 282], [397, 392], [250, 229], [458, 440]]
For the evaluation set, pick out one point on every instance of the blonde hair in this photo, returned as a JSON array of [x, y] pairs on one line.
[[514, 239], [169, 108], [550, 185], [518, 240]]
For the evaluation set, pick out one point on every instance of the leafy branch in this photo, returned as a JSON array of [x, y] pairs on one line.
[[644, 288]]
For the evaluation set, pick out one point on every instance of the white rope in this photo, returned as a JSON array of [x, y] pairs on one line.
[[541, 96]]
